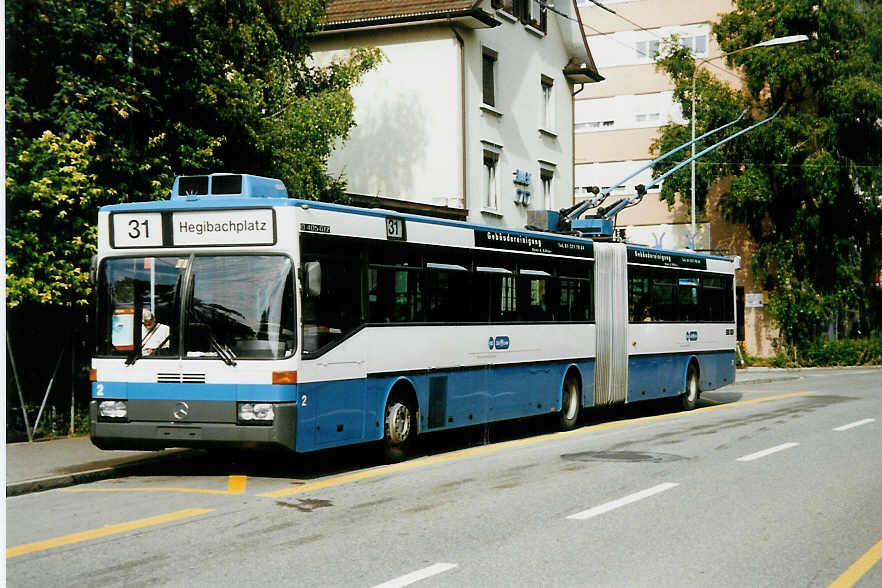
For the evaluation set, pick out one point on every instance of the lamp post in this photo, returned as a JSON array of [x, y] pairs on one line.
[[770, 43]]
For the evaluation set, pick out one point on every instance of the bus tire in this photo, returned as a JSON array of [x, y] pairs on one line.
[[399, 428], [571, 403], [690, 396]]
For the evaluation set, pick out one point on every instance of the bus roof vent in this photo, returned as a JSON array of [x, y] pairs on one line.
[[227, 186]]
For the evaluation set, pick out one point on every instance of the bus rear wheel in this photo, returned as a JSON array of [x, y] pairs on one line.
[[399, 429], [690, 396], [571, 402]]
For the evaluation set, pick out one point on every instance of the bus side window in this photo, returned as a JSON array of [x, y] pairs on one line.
[[576, 300], [664, 305], [713, 299], [687, 295], [337, 309], [394, 294], [535, 290], [498, 284], [639, 303], [448, 293]]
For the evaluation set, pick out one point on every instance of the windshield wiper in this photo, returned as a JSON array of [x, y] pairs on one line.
[[222, 349]]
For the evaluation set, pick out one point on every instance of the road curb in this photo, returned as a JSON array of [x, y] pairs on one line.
[[767, 380], [85, 477]]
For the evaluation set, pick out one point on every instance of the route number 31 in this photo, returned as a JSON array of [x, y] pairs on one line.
[[395, 228], [137, 229]]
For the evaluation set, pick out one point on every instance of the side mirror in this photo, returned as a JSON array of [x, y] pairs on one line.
[[313, 278]]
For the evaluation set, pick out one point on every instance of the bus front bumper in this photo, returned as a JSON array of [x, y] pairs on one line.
[[154, 435]]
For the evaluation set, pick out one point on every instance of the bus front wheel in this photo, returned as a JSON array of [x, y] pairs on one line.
[[571, 401], [690, 397], [399, 429]]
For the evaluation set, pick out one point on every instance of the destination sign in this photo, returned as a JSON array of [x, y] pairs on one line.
[[531, 244], [666, 259], [224, 227], [192, 228]]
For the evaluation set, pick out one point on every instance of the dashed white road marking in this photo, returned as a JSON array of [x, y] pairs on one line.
[[766, 452], [606, 507], [416, 576], [854, 424]]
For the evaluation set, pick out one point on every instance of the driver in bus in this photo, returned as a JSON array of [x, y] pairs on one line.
[[154, 335]]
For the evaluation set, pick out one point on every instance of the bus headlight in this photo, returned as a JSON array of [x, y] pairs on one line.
[[256, 413], [113, 409]]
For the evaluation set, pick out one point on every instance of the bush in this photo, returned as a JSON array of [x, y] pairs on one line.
[[824, 353]]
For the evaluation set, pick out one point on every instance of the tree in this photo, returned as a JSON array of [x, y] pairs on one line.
[[807, 185], [108, 100]]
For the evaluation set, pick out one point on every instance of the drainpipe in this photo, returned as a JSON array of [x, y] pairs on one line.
[[573, 135], [462, 106]]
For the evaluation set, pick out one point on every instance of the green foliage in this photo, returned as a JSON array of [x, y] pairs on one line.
[[108, 100], [51, 197], [825, 353], [807, 185]]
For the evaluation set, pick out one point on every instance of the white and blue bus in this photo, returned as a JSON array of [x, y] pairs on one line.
[[233, 315]]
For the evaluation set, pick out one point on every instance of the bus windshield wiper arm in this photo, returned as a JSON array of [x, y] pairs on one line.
[[223, 350]]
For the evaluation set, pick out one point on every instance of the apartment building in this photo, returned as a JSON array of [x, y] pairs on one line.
[[470, 115], [617, 120]]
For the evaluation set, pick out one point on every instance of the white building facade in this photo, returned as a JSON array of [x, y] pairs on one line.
[[471, 113]]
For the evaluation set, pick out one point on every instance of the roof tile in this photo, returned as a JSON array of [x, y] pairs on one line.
[[360, 10]]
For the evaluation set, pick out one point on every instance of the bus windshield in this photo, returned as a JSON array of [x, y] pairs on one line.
[[213, 306]]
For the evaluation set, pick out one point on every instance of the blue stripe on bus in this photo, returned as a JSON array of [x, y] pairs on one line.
[[211, 392]]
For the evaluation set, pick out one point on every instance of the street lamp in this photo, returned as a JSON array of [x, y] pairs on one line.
[[770, 43]]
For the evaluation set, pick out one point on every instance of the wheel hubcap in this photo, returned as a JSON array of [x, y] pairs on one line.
[[571, 402], [398, 421]]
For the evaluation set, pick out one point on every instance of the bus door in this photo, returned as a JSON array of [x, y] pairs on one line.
[[611, 312]]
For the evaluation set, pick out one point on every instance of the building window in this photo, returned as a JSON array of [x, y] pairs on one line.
[[547, 177], [489, 57], [647, 50], [491, 183], [697, 44], [594, 125], [547, 120]]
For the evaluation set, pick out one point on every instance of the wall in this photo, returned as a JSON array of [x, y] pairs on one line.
[[513, 127], [407, 143]]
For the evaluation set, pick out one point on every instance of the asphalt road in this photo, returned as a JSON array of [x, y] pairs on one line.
[[777, 484]]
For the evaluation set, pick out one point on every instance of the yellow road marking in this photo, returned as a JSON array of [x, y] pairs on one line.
[[416, 463], [105, 531], [850, 576], [236, 485]]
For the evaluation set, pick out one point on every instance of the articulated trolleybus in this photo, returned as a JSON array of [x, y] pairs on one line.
[[232, 315]]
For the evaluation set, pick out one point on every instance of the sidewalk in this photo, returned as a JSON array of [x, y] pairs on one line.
[[44, 465]]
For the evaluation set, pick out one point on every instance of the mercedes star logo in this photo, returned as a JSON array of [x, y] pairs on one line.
[[182, 409]]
